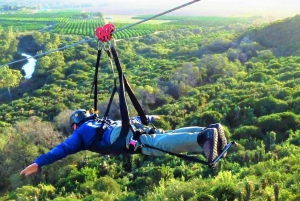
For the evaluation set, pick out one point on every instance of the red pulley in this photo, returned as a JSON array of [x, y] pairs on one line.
[[104, 34]]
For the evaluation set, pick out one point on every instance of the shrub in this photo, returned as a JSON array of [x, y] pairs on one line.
[[279, 123], [204, 119], [246, 132], [65, 199], [202, 196], [224, 192], [180, 190], [100, 197], [107, 184], [24, 192]]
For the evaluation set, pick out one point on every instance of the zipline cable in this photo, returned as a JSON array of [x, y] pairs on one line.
[[88, 40], [155, 16]]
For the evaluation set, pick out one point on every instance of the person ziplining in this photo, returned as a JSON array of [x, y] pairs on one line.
[[88, 135]]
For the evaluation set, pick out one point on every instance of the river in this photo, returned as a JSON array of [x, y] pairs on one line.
[[29, 66]]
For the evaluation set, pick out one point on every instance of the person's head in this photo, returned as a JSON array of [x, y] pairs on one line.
[[77, 118]]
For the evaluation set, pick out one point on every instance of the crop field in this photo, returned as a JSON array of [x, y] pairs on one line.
[[84, 23], [130, 19], [79, 23]]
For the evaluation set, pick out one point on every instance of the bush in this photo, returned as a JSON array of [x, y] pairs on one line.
[[107, 184], [280, 123], [25, 192], [180, 191], [224, 192], [204, 119], [65, 199], [247, 132], [101, 196], [202, 197]]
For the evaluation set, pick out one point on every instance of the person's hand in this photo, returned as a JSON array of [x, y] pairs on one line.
[[30, 169], [156, 117]]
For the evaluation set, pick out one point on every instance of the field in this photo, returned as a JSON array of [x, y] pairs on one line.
[[130, 19], [84, 23]]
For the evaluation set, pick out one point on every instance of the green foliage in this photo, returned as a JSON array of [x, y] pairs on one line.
[[247, 132], [217, 72], [9, 78], [202, 196], [180, 190], [205, 118], [107, 184], [279, 123], [225, 191], [77, 177], [269, 105], [45, 191], [27, 192], [65, 199], [100, 196]]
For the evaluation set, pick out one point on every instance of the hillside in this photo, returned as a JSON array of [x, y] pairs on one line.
[[282, 37]]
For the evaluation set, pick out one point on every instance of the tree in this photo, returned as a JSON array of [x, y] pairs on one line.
[[43, 64], [41, 38], [54, 38], [9, 78], [8, 35], [218, 65], [1, 29]]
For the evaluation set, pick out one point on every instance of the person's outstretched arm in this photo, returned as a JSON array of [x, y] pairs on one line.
[[69, 146]]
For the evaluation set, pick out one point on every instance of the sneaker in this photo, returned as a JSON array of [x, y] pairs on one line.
[[222, 141], [208, 140]]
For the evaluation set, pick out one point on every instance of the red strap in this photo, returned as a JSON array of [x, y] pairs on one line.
[[104, 34]]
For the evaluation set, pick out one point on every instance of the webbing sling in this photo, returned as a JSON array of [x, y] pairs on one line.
[[194, 159], [100, 131], [183, 156], [124, 86], [115, 86], [129, 91], [122, 100], [136, 103], [95, 83]]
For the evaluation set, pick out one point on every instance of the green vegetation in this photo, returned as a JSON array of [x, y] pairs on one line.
[[243, 76]]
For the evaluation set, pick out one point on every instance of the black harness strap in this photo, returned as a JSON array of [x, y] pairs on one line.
[[135, 103], [128, 89], [95, 83], [115, 86], [122, 100], [185, 157], [125, 87]]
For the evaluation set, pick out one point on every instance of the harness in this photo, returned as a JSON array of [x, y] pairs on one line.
[[104, 35]]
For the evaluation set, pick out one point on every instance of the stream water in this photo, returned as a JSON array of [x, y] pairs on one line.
[[29, 66]]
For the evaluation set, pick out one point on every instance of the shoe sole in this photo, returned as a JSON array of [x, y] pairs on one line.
[[222, 140], [214, 153]]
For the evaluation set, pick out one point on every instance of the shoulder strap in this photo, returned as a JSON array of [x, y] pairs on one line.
[[95, 83], [122, 100], [135, 103]]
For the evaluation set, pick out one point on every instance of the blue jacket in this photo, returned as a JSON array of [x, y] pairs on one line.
[[84, 139]]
